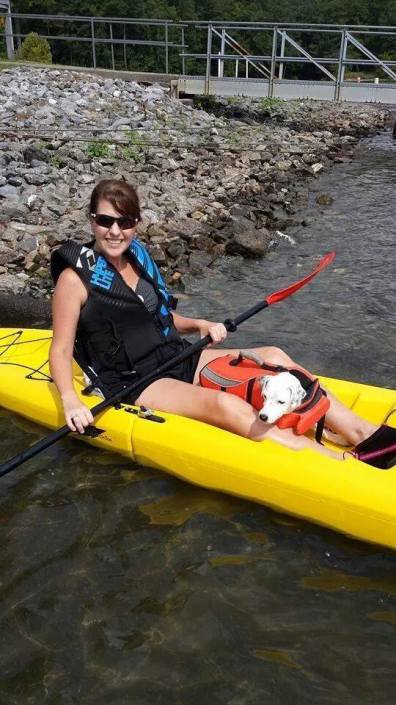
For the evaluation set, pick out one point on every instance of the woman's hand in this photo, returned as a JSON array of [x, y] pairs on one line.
[[217, 331], [77, 415]]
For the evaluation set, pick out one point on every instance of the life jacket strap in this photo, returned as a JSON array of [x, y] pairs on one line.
[[375, 453], [319, 429]]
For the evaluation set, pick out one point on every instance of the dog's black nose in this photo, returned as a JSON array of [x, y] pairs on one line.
[[263, 417]]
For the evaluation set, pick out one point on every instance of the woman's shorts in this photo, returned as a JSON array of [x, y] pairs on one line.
[[183, 372]]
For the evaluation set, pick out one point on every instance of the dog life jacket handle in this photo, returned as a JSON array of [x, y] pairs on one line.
[[248, 355]]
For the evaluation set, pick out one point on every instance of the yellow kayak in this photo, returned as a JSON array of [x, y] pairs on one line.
[[350, 496]]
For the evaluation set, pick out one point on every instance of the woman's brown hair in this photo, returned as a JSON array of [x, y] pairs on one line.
[[120, 194]]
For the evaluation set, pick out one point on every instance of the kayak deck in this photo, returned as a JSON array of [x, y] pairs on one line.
[[348, 496]]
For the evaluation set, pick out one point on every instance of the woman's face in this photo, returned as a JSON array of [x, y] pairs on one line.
[[113, 237]]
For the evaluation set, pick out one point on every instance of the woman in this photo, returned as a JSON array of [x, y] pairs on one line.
[[111, 308]]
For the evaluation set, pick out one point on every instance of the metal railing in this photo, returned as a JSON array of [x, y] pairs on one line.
[[5, 9], [91, 30], [306, 52]]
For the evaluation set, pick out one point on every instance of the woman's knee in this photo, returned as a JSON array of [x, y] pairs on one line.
[[277, 356], [231, 413], [220, 405]]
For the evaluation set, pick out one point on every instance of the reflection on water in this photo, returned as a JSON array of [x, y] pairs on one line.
[[122, 586]]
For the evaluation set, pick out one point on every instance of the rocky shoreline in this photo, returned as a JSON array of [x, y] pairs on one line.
[[210, 184]]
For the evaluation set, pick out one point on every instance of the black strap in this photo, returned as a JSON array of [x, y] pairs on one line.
[[319, 430], [172, 302], [249, 390]]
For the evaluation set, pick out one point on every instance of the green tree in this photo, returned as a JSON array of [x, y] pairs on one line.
[[35, 48]]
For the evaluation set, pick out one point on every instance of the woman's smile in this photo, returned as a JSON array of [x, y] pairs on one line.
[[111, 239]]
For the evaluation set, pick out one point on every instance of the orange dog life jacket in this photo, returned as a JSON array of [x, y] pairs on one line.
[[242, 376]]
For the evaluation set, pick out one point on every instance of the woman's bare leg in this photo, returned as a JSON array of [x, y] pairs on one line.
[[339, 418], [344, 421], [220, 409]]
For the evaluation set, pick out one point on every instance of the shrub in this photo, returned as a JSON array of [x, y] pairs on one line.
[[35, 48], [97, 150]]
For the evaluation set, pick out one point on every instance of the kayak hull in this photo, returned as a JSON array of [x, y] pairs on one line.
[[347, 496]]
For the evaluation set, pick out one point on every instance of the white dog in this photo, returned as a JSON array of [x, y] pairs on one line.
[[282, 394]]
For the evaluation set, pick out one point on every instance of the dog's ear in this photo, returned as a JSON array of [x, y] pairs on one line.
[[264, 382], [297, 394]]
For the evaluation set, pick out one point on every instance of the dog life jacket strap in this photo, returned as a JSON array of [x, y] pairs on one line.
[[241, 375]]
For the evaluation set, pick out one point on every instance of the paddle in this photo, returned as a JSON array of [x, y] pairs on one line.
[[230, 324]]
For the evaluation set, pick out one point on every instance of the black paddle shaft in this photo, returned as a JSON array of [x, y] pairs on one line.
[[231, 326]]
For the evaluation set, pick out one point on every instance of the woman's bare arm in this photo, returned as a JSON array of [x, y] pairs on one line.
[[69, 296], [217, 331]]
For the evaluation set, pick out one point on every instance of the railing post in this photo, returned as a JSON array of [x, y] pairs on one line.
[[125, 47], [166, 48], [9, 35], [273, 61], [112, 46], [183, 57], [282, 53], [208, 60], [341, 65], [220, 63], [93, 42]]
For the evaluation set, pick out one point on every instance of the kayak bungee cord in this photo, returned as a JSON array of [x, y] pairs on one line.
[[231, 326]]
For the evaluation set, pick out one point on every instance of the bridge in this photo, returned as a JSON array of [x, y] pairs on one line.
[[213, 58]]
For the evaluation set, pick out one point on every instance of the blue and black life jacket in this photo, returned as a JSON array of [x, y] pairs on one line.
[[118, 340]]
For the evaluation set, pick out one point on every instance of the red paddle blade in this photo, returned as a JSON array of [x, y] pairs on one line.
[[284, 293]]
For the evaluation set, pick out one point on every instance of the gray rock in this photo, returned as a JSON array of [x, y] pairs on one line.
[[9, 284], [324, 199], [158, 254], [28, 244], [6, 254], [176, 247], [12, 210], [198, 261], [37, 179], [9, 191], [15, 181], [250, 243]]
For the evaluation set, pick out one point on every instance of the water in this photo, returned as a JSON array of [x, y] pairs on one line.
[[122, 585], [343, 324]]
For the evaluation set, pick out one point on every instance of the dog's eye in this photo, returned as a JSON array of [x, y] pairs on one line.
[[281, 402]]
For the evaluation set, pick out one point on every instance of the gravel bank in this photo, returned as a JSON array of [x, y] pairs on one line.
[[227, 181]]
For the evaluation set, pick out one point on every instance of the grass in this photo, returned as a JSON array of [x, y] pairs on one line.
[[133, 149], [270, 103], [98, 150]]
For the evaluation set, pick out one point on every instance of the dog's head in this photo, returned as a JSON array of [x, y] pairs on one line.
[[282, 393]]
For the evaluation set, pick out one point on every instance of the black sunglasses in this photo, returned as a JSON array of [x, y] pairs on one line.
[[124, 222]]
